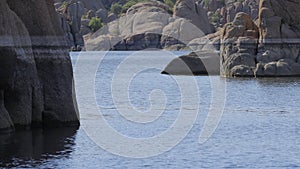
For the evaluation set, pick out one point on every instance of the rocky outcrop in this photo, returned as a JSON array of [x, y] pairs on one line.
[[140, 28], [195, 13], [70, 15], [279, 24], [147, 25], [75, 16], [239, 41], [36, 89], [221, 12], [195, 63], [208, 42], [274, 52], [179, 32]]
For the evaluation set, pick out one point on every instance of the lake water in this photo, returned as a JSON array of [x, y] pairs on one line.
[[258, 128]]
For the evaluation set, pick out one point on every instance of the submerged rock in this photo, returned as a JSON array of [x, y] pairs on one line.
[[195, 63]]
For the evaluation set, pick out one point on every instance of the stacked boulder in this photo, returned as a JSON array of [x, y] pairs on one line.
[[271, 49], [239, 41], [221, 12]]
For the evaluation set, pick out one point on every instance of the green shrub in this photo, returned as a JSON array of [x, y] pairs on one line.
[[95, 24], [116, 8], [130, 3], [215, 18], [170, 3], [206, 3]]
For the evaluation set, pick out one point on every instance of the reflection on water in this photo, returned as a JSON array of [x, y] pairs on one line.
[[32, 148], [260, 126], [279, 82]]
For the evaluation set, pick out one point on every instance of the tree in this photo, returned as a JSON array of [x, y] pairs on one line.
[[95, 24], [116, 8]]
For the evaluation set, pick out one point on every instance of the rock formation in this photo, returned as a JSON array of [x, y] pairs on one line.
[[221, 12], [279, 25], [70, 15], [272, 49], [149, 25], [36, 73], [195, 13], [239, 47]]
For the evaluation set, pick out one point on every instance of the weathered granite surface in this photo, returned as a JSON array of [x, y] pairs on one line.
[[36, 72], [269, 49]]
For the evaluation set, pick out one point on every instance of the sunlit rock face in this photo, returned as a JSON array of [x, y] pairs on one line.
[[279, 27], [239, 46], [270, 50], [36, 73]]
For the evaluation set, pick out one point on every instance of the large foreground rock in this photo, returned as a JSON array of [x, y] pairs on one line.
[[36, 86]]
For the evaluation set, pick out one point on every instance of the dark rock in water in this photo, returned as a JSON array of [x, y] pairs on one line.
[[195, 63], [37, 89]]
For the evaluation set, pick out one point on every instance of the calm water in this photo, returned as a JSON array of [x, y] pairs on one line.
[[260, 126]]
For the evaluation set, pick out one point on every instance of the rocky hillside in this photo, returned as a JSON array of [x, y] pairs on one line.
[[254, 46], [153, 24], [35, 67], [81, 19], [221, 12]]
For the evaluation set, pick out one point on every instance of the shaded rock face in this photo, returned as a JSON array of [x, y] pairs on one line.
[[272, 51], [139, 42], [195, 63], [75, 16], [70, 21], [194, 12], [36, 88]]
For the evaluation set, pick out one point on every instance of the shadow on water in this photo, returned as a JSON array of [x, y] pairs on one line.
[[33, 148], [267, 81]]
